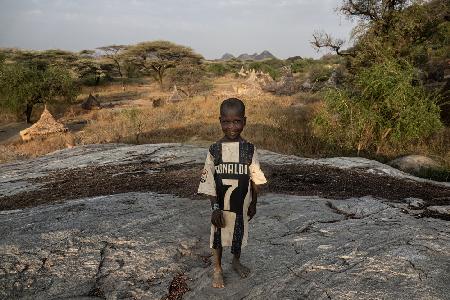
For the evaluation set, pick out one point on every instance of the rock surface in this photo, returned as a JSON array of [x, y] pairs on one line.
[[144, 245]]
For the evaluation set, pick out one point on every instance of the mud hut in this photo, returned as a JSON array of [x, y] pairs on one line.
[[45, 126], [91, 103], [175, 97]]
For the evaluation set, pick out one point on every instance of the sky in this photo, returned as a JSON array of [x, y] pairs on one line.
[[210, 27]]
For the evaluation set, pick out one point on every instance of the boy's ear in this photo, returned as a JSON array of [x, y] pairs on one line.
[[245, 121]]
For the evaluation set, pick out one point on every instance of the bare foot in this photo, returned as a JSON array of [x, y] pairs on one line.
[[217, 279], [242, 270]]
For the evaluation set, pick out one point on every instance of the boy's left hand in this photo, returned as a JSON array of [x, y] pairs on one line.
[[251, 210]]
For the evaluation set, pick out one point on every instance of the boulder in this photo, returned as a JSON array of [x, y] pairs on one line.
[[414, 164], [414, 203]]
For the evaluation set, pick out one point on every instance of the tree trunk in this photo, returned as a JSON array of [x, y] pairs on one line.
[[160, 79], [28, 112]]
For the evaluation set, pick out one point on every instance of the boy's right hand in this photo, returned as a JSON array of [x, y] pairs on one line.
[[217, 218]]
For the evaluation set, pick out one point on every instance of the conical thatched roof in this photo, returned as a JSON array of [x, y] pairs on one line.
[[175, 97], [46, 125], [90, 103], [242, 72], [252, 76]]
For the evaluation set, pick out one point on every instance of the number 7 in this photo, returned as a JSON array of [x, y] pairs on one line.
[[233, 183]]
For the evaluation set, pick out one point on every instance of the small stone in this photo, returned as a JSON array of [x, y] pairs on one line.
[[414, 203]]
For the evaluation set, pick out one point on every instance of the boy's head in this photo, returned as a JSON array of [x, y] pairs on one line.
[[232, 118]]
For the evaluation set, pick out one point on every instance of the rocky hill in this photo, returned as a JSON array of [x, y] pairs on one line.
[[124, 222], [227, 56], [255, 56]]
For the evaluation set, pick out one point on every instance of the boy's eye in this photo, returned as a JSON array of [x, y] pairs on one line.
[[234, 122]]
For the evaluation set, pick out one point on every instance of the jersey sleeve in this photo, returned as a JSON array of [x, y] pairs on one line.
[[207, 184], [256, 175]]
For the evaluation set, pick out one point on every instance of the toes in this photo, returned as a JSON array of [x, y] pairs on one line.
[[218, 280]]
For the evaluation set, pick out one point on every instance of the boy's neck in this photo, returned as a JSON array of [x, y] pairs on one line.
[[227, 140]]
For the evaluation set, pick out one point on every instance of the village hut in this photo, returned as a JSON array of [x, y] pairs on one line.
[[175, 97], [45, 126], [251, 77], [90, 103]]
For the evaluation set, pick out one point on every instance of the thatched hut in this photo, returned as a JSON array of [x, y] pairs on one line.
[[45, 126], [175, 97], [91, 103]]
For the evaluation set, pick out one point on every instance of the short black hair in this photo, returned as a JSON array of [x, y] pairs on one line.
[[234, 104]]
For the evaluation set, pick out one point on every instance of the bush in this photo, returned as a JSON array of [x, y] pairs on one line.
[[320, 73], [385, 107], [270, 66], [217, 69], [300, 65]]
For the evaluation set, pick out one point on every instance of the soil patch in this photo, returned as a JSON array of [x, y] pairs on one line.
[[182, 180]]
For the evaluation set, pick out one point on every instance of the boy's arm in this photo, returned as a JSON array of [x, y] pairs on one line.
[[257, 177], [216, 215], [208, 187], [252, 207]]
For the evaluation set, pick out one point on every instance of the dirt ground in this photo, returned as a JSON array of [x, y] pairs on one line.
[[10, 132], [183, 181]]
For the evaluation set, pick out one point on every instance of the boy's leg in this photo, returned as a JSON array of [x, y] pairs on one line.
[[238, 234], [242, 270], [217, 280]]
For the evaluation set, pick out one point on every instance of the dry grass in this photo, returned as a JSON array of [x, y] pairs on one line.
[[36, 147], [277, 123], [7, 117]]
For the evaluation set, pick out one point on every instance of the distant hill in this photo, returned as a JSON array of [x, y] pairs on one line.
[[227, 56], [264, 55], [255, 56]]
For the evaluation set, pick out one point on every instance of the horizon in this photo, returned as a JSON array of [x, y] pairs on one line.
[[209, 28]]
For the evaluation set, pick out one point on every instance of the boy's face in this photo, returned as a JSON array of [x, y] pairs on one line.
[[232, 122]]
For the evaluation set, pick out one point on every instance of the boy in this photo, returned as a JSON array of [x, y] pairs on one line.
[[230, 176]]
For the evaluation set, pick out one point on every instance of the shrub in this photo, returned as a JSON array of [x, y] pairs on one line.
[[385, 107], [270, 66], [217, 69], [320, 73], [300, 65]]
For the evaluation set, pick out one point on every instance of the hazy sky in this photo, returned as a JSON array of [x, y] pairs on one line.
[[210, 27]]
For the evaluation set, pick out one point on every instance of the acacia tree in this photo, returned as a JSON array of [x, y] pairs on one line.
[[93, 68], [22, 87], [189, 77], [114, 54], [156, 57], [45, 59]]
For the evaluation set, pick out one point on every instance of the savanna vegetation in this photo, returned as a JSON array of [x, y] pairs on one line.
[[384, 96]]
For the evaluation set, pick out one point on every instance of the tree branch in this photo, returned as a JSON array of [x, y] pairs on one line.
[[324, 40]]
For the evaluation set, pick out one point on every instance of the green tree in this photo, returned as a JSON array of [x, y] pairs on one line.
[[114, 53], [92, 69], [383, 106], [22, 87], [44, 59], [156, 57], [408, 29], [190, 78]]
